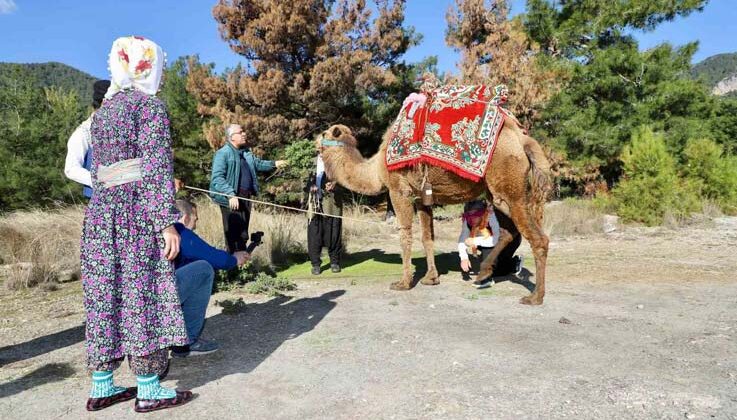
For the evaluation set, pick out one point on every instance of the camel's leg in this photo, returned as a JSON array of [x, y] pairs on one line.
[[487, 265], [528, 225], [405, 212], [428, 236]]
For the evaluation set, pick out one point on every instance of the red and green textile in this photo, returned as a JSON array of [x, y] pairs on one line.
[[456, 129]]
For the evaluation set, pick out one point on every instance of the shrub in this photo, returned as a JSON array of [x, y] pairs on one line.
[[650, 186], [712, 173]]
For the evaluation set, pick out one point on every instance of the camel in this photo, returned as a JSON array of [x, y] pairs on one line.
[[518, 176]]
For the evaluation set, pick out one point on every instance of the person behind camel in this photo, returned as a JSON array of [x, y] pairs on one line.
[[79, 154], [234, 169], [195, 271], [324, 196], [483, 239]]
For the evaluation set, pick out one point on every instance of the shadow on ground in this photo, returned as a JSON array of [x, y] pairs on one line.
[[52, 372], [41, 345], [445, 263], [247, 338]]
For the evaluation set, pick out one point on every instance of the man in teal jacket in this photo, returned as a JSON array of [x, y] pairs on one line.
[[234, 171]]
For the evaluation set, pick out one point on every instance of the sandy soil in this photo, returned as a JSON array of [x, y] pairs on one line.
[[638, 323]]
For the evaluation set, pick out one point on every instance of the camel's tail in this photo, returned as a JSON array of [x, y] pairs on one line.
[[538, 178]]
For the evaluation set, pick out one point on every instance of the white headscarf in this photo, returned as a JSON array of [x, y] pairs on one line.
[[135, 62]]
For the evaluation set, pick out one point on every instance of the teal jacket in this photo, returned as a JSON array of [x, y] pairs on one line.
[[226, 171]]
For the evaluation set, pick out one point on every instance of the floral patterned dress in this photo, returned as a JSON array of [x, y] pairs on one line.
[[129, 287]]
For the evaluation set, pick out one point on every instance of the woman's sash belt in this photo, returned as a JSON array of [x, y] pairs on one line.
[[119, 173]]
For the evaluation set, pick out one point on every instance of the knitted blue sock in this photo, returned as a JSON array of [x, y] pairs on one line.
[[149, 388], [102, 385]]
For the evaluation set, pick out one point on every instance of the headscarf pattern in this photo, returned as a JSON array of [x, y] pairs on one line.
[[135, 63]]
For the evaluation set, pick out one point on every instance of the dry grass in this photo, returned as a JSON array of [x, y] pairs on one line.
[[573, 217], [285, 238], [39, 247]]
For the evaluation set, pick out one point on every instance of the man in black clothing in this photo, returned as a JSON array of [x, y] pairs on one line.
[[324, 196]]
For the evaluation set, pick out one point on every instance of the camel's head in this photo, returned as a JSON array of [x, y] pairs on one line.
[[336, 136]]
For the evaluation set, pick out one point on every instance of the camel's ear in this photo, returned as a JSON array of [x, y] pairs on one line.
[[336, 132]]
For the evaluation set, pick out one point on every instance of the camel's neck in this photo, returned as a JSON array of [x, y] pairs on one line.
[[351, 170]]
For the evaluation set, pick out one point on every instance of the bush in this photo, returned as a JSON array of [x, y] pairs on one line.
[[650, 187], [714, 175], [286, 186]]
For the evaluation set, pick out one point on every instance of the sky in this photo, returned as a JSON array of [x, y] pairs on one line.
[[80, 32]]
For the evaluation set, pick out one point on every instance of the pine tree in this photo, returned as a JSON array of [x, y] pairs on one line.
[[310, 63], [496, 50]]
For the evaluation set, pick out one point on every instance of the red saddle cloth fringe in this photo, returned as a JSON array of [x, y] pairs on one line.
[[457, 129]]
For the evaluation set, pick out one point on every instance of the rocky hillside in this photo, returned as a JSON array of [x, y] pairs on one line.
[[719, 72]]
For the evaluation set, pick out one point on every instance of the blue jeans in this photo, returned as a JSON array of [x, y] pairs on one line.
[[194, 285]]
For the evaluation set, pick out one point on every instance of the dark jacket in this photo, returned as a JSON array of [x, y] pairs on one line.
[[193, 248], [226, 171], [332, 201]]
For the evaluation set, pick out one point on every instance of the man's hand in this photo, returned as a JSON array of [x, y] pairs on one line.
[[281, 163], [242, 257], [234, 203], [469, 242], [465, 265], [171, 242]]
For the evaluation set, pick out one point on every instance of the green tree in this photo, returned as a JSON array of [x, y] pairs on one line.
[[576, 28], [714, 173], [330, 61], [35, 124], [650, 187], [192, 156], [612, 88]]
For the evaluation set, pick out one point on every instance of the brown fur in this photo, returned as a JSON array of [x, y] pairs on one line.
[[518, 177]]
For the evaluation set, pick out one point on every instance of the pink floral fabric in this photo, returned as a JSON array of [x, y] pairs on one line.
[[129, 287]]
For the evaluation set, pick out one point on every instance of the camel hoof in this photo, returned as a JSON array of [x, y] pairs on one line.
[[430, 281], [531, 300], [399, 286]]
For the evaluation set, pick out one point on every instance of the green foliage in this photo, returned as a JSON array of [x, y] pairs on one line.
[[285, 186], [713, 174], [35, 124], [574, 28], [301, 157], [270, 286], [254, 280], [651, 187], [620, 89], [192, 154], [724, 124], [59, 75], [715, 68], [612, 88]]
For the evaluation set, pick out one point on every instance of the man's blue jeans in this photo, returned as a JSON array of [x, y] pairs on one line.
[[194, 284]]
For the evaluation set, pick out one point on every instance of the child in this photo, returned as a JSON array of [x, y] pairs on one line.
[[480, 231]]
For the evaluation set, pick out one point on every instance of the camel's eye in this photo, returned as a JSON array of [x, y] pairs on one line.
[[336, 132]]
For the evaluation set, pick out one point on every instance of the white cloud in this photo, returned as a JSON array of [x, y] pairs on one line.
[[7, 7]]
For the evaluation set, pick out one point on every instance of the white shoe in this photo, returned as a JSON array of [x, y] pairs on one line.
[[518, 265]]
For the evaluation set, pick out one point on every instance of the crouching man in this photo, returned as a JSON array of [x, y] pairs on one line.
[[195, 271]]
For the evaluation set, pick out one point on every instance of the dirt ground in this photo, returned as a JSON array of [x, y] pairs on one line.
[[637, 323]]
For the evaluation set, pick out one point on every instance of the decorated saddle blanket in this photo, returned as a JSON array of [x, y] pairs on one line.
[[454, 127]]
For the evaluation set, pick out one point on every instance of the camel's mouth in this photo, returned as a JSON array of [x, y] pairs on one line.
[[336, 136]]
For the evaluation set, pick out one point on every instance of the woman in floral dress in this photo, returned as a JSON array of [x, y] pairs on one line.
[[128, 238]]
